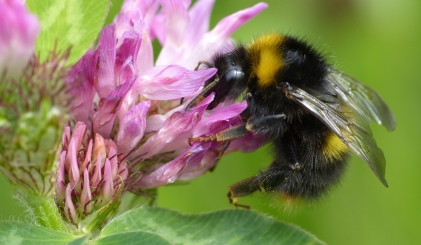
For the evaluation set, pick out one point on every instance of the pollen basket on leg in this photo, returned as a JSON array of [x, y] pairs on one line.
[[266, 59]]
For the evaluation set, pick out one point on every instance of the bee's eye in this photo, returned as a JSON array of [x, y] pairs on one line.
[[227, 80], [224, 86]]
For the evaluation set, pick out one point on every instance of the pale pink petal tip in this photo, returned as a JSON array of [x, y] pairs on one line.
[[132, 127], [231, 23], [108, 188], [69, 207], [172, 82]]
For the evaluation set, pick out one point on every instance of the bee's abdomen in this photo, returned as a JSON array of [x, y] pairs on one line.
[[321, 158]]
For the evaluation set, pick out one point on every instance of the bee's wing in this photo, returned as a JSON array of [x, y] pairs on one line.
[[362, 99], [353, 130]]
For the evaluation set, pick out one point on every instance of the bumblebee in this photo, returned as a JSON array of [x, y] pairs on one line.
[[313, 115]]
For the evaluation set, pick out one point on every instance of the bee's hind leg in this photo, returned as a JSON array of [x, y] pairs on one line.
[[243, 188]]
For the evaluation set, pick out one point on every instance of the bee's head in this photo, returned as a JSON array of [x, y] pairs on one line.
[[231, 80]]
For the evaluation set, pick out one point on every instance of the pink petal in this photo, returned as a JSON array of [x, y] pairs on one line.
[[99, 147], [103, 119], [147, 9], [73, 165], [78, 133], [108, 187], [215, 121], [125, 65], [218, 115], [99, 157], [229, 24], [61, 180], [132, 127], [160, 22], [112, 157], [65, 138], [170, 171], [171, 82], [154, 122], [69, 207], [134, 11], [18, 31], [175, 125], [88, 156], [86, 195], [141, 59], [122, 170], [97, 176], [199, 21], [81, 82], [213, 153], [211, 123], [145, 58], [213, 40], [106, 53], [176, 22], [158, 27]]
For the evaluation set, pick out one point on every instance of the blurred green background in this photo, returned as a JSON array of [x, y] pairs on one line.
[[376, 41]]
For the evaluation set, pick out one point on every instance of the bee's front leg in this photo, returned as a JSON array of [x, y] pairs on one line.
[[229, 134]]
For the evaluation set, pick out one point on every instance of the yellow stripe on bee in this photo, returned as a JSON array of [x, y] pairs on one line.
[[266, 58], [334, 147]]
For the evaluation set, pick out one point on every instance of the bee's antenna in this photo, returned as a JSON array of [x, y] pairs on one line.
[[206, 89]]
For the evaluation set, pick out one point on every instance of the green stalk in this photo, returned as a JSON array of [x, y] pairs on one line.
[[43, 210]]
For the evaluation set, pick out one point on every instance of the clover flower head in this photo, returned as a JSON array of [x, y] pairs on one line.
[[117, 109], [124, 96], [90, 175]]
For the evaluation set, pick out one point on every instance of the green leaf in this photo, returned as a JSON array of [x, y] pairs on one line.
[[80, 241], [71, 23], [221, 227], [13, 232], [135, 237]]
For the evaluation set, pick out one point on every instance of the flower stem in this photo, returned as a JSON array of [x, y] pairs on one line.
[[43, 210]]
